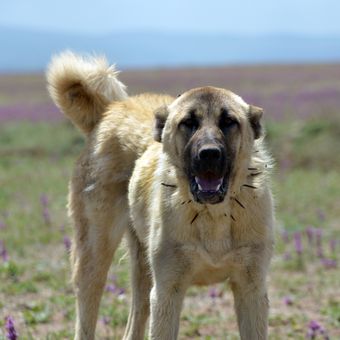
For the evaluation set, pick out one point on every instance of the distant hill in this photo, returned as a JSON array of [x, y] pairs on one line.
[[27, 50]]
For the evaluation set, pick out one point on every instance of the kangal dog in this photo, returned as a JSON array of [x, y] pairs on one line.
[[186, 179]]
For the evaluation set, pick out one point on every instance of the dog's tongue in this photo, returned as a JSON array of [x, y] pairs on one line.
[[205, 184]]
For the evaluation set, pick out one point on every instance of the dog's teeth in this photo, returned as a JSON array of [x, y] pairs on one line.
[[218, 186], [199, 187]]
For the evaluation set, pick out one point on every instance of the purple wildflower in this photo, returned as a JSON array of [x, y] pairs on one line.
[[314, 328], [328, 263], [121, 291], [44, 200], [298, 243], [46, 215], [45, 211], [214, 293], [310, 234], [106, 320], [3, 251], [111, 288], [10, 329], [2, 225], [287, 300], [319, 250], [67, 243], [314, 325]]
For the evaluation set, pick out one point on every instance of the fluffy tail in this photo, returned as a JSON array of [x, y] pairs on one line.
[[83, 87]]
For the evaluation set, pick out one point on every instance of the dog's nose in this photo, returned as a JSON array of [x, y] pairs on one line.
[[209, 154]]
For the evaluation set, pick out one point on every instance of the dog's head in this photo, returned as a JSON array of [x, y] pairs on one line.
[[203, 132]]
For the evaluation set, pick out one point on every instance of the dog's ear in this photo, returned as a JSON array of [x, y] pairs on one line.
[[255, 114], [161, 114]]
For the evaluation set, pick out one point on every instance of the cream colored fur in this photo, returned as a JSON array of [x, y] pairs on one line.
[[171, 248]]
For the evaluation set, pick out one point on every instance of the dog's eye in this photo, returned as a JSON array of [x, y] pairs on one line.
[[226, 122], [190, 124]]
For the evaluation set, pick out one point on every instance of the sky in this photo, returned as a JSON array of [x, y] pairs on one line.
[[192, 16]]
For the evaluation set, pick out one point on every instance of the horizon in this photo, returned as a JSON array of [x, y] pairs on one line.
[[139, 35]]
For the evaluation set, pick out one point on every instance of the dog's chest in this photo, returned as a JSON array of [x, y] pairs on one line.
[[210, 248]]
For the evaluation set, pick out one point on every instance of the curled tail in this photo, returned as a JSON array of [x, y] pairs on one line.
[[82, 88]]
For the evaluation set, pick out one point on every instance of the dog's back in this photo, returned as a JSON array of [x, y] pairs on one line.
[[118, 128]]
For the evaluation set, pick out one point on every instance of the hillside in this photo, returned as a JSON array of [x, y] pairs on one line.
[[29, 50]]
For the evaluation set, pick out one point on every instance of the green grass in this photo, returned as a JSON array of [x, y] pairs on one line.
[[36, 159]]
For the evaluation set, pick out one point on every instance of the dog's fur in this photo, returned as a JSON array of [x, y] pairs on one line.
[[129, 181]]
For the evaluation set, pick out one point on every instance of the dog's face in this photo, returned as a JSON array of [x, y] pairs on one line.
[[203, 132]]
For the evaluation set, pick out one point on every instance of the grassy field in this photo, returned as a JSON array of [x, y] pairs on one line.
[[38, 148]]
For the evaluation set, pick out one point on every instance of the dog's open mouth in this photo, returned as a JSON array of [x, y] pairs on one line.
[[208, 188]]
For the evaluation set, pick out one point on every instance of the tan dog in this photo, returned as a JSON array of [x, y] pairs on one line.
[[196, 206]]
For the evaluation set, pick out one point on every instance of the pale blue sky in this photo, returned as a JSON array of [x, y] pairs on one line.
[[217, 16]]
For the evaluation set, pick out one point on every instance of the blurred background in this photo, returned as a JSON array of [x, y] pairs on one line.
[[282, 56]]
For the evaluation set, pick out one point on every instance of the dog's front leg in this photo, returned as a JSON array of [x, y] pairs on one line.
[[141, 286], [171, 275], [251, 305]]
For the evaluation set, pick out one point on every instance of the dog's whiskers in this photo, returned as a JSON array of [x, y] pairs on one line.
[[169, 185], [231, 216], [256, 174], [249, 186], [238, 202], [193, 220], [186, 202]]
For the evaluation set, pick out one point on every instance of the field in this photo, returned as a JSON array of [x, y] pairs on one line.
[[38, 148]]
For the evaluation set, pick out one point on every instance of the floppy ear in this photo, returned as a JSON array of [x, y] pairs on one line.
[[255, 115], [161, 115]]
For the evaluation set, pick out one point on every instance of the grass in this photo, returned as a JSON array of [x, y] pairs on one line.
[[36, 160]]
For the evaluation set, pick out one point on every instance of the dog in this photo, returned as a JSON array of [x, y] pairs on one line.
[[186, 179]]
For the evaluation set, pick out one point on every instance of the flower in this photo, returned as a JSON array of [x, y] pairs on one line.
[[310, 234], [214, 293], [314, 328], [67, 243], [121, 291], [329, 263], [287, 300], [10, 329], [111, 288], [44, 200], [314, 325], [298, 243], [3, 251], [2, 225], [105, 320]]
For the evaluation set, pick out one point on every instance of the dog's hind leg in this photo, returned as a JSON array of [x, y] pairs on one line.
[[100, 225], [141, 286]]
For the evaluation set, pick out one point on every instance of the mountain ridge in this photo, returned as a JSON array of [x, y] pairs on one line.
[[24, 50]]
